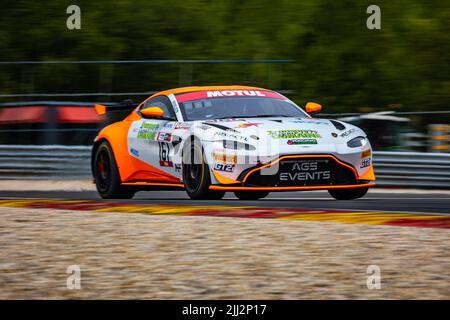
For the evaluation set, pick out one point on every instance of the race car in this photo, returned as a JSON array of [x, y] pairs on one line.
[[247, 140]]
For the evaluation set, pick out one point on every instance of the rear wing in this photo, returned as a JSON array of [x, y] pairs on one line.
[[126, 105]]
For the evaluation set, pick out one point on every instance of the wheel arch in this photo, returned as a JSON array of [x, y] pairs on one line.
[[187, 142], [116, 135], [200, 192], [95, 147]]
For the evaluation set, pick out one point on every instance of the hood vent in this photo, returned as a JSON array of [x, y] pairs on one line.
[[219, 126], [338, 125]]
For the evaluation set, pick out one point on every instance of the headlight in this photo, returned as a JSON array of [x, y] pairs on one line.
[[236, 145], [357, 142]]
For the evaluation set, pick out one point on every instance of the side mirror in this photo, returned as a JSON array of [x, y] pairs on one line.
[[100, 109], [152, 112], [312, 107]]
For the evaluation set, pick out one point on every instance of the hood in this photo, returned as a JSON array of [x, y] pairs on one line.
[[282, 127], [283, 134]]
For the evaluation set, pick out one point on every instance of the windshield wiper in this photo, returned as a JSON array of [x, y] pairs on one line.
[[254, 116], [269, 116], [229, 117]]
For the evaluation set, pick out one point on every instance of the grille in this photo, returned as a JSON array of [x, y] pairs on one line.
[[303, 172]]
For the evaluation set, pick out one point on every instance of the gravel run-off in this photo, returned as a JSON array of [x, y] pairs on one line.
[[139, 256]]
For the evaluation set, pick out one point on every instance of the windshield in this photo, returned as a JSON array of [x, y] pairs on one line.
[[239, 107]]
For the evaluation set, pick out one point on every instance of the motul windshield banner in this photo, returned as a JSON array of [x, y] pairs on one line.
[[210, 94]]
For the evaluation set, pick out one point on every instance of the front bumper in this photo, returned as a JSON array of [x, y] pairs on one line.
[[298, 172]]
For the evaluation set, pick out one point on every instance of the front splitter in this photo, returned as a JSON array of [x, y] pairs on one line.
[[296, 188]]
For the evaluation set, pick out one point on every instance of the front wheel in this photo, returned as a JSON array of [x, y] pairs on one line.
[[196, 176], [251, 195], [348, 194]]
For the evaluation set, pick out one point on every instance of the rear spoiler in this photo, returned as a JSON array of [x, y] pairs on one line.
[[126, 105]]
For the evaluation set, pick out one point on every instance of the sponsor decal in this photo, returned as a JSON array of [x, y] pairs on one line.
[[169, 125], [221, 157], [232, 93], [224, 167], [164, 137], [144, 135], [366, 162], [147, 131], [311, 121], [177, 167], [164, 155], [294, 134], [163, 163], [348, 132], [226, 134], [182, 126], [198, 95], [306, 171], [149, 126], [301, 141], [247, 124], [134, 152], [366, 153]]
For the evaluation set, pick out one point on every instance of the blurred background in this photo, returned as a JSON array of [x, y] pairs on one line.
[[393, 82]]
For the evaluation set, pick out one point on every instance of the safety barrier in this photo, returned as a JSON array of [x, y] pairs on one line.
[[399, 169], [412, 169], [44, 162]]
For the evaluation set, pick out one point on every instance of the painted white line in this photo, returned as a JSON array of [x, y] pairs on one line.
[[410, 191], [365, 198], [280, 199]]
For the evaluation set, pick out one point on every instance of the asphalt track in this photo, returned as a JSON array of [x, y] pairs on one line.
[[398, 201]]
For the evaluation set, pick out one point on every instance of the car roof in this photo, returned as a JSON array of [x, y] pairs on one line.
[[201, 88], [206, 88]]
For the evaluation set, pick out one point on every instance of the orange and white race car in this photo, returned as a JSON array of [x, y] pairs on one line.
[[248, 140]]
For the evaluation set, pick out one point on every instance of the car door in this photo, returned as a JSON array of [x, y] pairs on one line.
[[149, 139]]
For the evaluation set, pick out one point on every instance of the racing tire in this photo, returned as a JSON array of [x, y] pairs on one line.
[[251, 195], [348, 194], [106, 175], [196, 174]]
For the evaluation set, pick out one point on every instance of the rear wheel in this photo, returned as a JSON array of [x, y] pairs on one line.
[[106, 174], [348, 194], [196, 174], [251, 195]]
